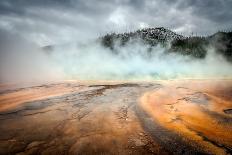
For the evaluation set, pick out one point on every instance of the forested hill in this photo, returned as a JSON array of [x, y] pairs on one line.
[[195, 46]]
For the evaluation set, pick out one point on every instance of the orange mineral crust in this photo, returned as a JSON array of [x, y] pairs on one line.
[[74, 118], [199, 111], [98, 117], [15, 98]]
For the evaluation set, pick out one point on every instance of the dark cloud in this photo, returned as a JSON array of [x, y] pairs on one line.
[[215, 10], [58, 21]]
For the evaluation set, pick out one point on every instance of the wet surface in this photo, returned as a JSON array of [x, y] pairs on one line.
[[196, 117], [93, 119], [118, 118]]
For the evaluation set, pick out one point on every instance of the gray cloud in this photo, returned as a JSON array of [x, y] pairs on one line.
[[60, 21]]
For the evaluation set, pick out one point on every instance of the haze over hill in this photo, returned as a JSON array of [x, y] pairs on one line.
[[151, 53], [146, 54], [195, 46]]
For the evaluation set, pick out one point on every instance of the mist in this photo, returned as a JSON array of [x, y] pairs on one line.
[[22, 62], [92, 61], [25, 62]]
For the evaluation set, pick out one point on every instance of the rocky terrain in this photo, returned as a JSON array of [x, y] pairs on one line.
[[160, 117]]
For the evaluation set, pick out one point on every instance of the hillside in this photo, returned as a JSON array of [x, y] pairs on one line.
[[195, 46]]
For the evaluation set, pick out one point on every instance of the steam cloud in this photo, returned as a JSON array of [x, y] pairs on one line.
[[134, 62], [21, 61]]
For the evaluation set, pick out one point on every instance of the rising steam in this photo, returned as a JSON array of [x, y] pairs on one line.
[[23, 62]]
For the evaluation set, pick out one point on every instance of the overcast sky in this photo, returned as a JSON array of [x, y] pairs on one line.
[[47, 22]]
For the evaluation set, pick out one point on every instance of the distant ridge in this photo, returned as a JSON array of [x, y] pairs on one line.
[[195, 46], [150, 35]]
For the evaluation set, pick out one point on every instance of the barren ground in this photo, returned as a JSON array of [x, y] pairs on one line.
[[161, 117]]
